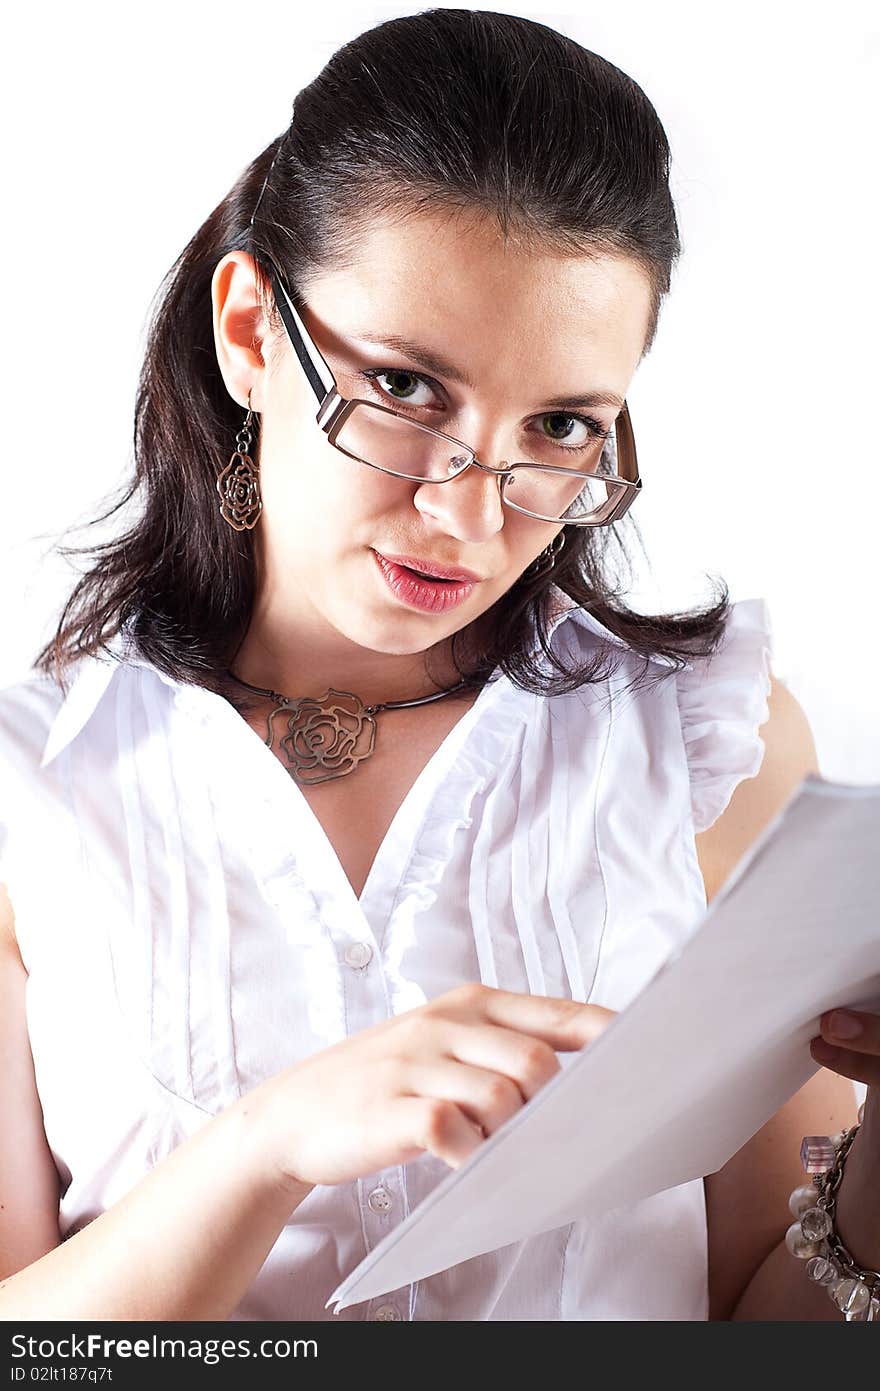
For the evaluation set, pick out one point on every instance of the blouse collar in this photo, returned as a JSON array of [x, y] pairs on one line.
[[94, 673], [91, 679], [564, 608]]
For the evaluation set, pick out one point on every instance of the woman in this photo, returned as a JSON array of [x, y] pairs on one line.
[[278, 985]]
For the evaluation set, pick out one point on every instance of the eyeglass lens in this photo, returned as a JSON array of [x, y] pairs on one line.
[[397, 445]]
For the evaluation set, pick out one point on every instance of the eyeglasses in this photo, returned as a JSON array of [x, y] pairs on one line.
[[596, 494]]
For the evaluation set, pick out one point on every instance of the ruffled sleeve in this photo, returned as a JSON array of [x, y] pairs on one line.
[[722, 702]]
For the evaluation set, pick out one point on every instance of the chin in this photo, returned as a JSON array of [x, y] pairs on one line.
[[398, 635], [401, 639]]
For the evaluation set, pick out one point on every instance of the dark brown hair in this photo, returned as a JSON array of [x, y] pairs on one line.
[[464, 109]]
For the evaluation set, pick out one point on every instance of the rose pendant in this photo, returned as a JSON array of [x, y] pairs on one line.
[[325, 738]]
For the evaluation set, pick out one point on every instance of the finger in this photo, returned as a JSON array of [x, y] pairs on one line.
[[852, 1029], [439, 1127], [564, 1024], [486, 1098], [859, 1067], [526, 1062]]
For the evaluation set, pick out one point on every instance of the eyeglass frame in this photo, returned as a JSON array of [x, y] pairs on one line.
[[334, 409]]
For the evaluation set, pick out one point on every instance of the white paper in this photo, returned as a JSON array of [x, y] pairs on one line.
[[680, 1080]]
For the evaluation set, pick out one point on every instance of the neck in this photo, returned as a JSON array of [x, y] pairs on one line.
[[299, 665]]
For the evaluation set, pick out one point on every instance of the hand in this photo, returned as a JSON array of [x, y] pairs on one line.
[[849, 1045], [439, 1078]]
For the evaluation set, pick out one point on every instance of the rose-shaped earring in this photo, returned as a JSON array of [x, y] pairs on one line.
[[240, 501]]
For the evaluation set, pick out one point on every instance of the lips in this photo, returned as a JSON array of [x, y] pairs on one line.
[[431, 595], [431, 569]]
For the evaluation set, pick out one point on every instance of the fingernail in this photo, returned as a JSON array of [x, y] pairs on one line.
[[843, 1025]]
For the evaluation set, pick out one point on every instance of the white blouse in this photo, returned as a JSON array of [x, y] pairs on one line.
[[188, 931]]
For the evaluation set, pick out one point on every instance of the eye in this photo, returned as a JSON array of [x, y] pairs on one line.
[[593, 431], [403, 395], [396, 375]]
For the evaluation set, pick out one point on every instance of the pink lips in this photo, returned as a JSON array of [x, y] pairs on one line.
[[431, 568], [429, 595]]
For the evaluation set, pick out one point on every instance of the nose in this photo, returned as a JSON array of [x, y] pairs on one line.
[[469, 507]]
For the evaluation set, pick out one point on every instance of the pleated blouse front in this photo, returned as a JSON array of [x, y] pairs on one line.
[[188, 931]]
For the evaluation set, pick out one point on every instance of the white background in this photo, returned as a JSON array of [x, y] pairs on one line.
[[753, 413]]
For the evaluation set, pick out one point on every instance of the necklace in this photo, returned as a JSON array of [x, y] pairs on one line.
[[330, 737]]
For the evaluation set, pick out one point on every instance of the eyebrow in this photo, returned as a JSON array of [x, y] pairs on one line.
[[432, 362]]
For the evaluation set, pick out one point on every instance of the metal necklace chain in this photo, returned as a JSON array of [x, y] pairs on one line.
[[330, 737]]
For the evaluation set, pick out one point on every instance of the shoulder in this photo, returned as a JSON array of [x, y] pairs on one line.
[[8, 939], [789, 754], [34, 699], [27, 710]]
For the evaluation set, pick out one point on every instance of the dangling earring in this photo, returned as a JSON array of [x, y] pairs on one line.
[[546, 560], [237, 485]]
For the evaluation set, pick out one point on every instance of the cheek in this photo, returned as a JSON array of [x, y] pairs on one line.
[[525, 540], [315, 491], [370, 494]]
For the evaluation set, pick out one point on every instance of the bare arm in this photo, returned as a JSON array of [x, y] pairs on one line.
[[29, 1183], [184, 1243], [752, 1275]]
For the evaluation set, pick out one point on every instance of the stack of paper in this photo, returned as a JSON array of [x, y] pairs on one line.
[[679, 1081]]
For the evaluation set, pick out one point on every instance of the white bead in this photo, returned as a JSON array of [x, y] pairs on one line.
[[799, 1246], [801, 1199]]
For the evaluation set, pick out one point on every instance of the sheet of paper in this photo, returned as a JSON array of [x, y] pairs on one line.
[[679, 1081]]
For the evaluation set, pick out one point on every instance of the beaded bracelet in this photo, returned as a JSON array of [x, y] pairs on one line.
[[813, 1238]]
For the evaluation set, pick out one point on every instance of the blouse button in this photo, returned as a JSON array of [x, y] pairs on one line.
[[380, 1200], [358, 954], [385, 1313]]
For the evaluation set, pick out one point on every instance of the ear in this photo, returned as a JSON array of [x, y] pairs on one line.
[[241, 337]]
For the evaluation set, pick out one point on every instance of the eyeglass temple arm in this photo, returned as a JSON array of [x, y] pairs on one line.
[[323, 384], [319, 376], [627, 459]]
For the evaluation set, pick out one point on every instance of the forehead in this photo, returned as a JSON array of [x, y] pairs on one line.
[[455, 282]]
